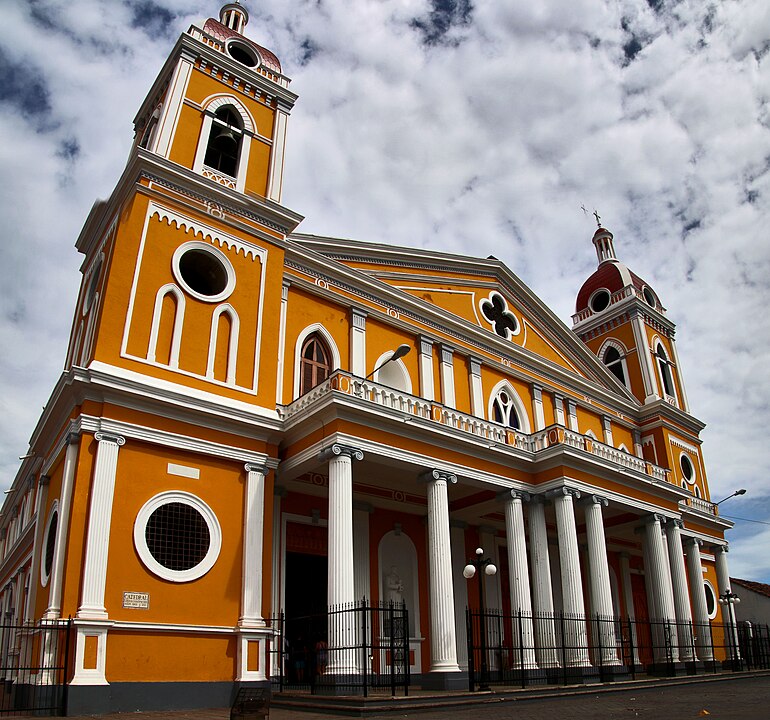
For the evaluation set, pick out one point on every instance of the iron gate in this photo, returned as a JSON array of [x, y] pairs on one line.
[[356, 649], [34, 658]]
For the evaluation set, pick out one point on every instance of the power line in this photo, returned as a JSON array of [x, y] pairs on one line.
[[733, 517]]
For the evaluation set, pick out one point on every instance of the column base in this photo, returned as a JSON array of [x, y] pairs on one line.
[[440, 680]]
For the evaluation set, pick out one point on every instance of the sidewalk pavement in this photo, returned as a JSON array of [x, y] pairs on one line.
[[728, 697]]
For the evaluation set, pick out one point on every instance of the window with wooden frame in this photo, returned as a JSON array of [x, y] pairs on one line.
[[315, 363]]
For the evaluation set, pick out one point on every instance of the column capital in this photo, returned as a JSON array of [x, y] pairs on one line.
[[563, 492], [675, 522], [426, 346], [720, 549], [433, 475], [655, 518], [475, 366], [693, 541], [336, 450], [359, 318], [513, 495], [595, 500], [110, 437], [73, 436], [257, 467], [447, 354], [537, 392]]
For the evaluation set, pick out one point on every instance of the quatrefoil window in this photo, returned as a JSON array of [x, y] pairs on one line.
[[496, 311]]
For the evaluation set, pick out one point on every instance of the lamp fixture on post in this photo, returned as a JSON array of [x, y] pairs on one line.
[[728, 600], [399, 352], [742, 491], [489, 568]]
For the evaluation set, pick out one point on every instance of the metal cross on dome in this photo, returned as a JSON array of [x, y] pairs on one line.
[[497, 313]]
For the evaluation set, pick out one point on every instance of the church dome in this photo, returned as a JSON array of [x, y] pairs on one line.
[[610, 277], [241, 48]]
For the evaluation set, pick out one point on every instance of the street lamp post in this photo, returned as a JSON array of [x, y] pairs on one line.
[[728, 599], [481, 563], [398, 353], [742, 491]]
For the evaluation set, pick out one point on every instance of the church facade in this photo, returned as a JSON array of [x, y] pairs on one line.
[[253, 420]]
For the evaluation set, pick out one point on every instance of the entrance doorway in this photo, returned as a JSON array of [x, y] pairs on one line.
[[306, 582]]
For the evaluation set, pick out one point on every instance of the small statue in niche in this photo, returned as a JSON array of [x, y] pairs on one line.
[[394, 586]]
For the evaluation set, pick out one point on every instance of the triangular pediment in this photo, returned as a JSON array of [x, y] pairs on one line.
[[481, 292]]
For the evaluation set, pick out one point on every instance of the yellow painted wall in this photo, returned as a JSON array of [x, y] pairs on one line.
[[588, 420]]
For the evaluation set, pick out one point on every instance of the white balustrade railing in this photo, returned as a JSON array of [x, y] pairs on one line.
[[700, 505], [407, 404]]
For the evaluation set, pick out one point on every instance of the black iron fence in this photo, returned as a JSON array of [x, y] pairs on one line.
[[349, 649], [538, 648], [34, 658]]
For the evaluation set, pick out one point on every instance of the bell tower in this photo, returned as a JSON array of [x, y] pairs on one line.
[[220, 107], [620, 317]]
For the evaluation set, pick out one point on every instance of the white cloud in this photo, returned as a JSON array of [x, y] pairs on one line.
[[486, 145]]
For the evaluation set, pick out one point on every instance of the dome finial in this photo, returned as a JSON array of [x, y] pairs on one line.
[[234, 16]]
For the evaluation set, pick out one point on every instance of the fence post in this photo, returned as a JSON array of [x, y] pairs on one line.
[[66, 666], [407, 656], [563, 648], [469, 635], [522, 669], [392, 649], [632, 651], [364, 645]]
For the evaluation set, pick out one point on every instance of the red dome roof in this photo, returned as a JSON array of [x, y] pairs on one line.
[[612, 275], [223, 33]]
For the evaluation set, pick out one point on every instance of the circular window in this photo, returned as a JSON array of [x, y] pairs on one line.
[[688, 471], [49, 547], [242, 53], [600, 300], [711, 599], [649, 296], [203, 271], [177, 536]]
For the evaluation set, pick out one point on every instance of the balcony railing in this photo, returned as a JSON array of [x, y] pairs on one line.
[[696, 503], [407, 404]]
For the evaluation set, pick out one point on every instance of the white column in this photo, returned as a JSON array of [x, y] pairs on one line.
[[607, 429], [698, 598], [281, 343], [645, 358], [65, 501], [675, 357], [340, 578], [518, 574], [542, 594], [443, 643], [599, 576], [358, 342], [427, 390], [253, 533], [660, 591], [723, 580], [275, 180], [537, 407], [558, 407], [477, 391], [447, 376], [457, 535], [99, 521], [172, 107], [628, 601], [572, 415], [571, 578], [679, 586]]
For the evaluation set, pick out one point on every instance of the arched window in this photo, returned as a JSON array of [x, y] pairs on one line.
[[664, 365], [315, 363], [504, 410], [614, 363], [224, 143]]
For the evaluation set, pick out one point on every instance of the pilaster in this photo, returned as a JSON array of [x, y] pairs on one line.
[[358, 342], [447, 376], [99, 522], [426, 369], [253, 533]]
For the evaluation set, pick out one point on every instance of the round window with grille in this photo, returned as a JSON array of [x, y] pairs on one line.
[[177, 536]]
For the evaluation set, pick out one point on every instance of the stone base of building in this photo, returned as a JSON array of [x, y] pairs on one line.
[[132, 697], [441, 680], [339, 685]]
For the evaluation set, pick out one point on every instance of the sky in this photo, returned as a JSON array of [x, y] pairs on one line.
[[477, 128]]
